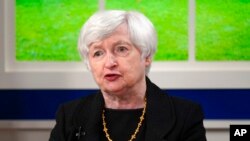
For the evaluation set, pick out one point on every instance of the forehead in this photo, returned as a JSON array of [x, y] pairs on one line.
[[123, 28], [119, 36]]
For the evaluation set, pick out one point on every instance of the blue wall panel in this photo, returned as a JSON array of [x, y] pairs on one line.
[[42, 104]]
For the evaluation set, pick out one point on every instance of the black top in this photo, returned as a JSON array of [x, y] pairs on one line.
[[121, 124], [168, 118]]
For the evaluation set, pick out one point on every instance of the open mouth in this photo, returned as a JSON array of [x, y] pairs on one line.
[[112, 77]]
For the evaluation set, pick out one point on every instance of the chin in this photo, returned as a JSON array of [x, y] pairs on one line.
[[116, 90]]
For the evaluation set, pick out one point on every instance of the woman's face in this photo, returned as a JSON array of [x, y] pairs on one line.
[[116, 64]]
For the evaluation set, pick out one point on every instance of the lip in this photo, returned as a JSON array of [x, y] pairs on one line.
[[111, 76]]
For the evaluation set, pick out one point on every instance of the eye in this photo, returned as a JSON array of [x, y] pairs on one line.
[[121, 50], [98, 53]]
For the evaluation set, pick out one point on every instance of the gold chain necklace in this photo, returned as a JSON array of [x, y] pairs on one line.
[[105, 129]]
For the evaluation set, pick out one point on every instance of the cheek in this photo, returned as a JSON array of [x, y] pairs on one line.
[[95, 69], [134, 66], [97, 75]]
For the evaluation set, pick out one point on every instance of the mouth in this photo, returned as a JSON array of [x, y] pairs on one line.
[[111, 77]]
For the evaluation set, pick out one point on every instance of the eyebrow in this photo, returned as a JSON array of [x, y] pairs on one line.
[[119, 42], [96, 45]]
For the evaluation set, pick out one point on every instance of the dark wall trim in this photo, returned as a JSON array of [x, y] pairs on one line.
[[42, 104]]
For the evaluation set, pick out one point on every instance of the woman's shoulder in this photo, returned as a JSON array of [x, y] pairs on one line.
[[83, 101], [178, 103], [185, 107], [73, 109], [183, 102]]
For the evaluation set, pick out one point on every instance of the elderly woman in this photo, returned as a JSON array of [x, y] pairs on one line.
[[118, 47]]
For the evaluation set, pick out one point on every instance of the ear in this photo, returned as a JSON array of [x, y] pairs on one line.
[[148, 61]]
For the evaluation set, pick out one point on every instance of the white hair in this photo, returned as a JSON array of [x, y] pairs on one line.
[[103, 23]]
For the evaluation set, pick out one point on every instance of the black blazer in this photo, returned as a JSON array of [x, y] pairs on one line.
[[167, 118]]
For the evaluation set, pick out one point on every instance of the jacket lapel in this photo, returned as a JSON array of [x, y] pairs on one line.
[[160, 116], [91, 119], [94, 122]]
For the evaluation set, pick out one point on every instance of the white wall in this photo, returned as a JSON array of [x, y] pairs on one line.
[[24, 135], [25, 130]]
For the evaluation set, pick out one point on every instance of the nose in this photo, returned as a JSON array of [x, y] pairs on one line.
[[111, 61]]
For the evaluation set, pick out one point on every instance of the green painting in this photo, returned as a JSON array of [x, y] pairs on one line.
[[47, 30], [223, 30]]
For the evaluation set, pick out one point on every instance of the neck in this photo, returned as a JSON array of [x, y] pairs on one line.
[[130, 99]]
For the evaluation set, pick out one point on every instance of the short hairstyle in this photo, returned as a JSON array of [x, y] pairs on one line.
[[103, 23]]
